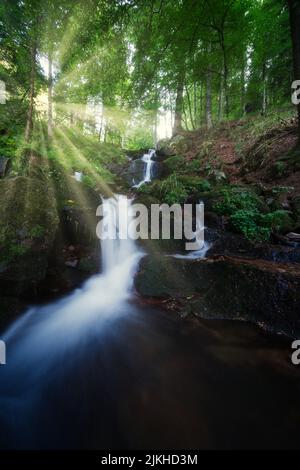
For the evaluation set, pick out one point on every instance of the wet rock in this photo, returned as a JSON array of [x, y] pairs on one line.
[[294, 237], [135, 154], [90, 264], [231, 244], [227, 243], [261, 292], [276, 253], [161, 276], [78, 225], [213, 220], [134, 172], [72, 263], [158, 170], [286, 241]]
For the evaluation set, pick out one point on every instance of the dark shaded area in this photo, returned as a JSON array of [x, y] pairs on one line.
[[151, 380], [4, 166]]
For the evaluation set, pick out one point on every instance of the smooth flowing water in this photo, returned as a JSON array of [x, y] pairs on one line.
[[101, 370]]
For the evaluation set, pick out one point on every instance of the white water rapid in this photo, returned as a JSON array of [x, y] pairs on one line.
[[148, 160], [53, 337]]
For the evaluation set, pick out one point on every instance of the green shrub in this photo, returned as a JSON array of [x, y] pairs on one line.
[[89, 181], [37, 231], [278, 221], [236, 199], [248, 224], [172, 191], [279, 169], [174, 163], [192, 166], [258, 227], [195, 184], [14, 251]]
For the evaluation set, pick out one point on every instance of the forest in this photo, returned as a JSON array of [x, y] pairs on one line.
[[124, 343]]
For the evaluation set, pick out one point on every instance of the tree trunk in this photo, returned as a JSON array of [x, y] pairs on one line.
[[101, 123], [208, 108], [265, 97], [243, 86], [179, 105], [201, 104], [294, 8], [50, 97], [195, 104], [29, 123], [190, 107], [221, 97], [225, 74], [155, 127]]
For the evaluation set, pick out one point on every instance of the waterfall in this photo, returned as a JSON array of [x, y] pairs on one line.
[[116, 246], [149, 164], [200, 249], [147, 158], [78, 176], [66, 320], [54, 336]]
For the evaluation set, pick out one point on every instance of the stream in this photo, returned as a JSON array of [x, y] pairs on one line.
[[148, 165], [103, 369]]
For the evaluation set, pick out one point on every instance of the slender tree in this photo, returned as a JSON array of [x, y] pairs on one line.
[[30, 114], [179, 104], [294, 9]]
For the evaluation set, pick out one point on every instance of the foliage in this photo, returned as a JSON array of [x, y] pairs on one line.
[[194, 184], [247, 214], [139, 138], [247, 222], [132, 59], [174, 163], [36, 232], [278, 221], [175, 188], [258, 227], [173, 191], [233, 199]]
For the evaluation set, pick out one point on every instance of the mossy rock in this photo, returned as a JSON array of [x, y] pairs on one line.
[[28, 224], [174, 146], [258, 291], [174, 163]]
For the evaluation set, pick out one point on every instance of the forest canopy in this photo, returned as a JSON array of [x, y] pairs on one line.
[[133, 71]]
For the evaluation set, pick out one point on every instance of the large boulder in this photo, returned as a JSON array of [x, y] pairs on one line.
[[232, 288], [223, 242], [134, 172], [28, 225]]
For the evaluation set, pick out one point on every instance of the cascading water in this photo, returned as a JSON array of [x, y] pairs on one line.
[[82, 373], [149, 164], [56, 335], [148, 167]]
